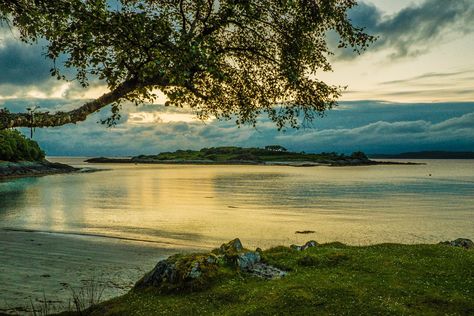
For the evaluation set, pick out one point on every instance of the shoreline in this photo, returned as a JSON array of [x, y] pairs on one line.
[[46, 265], [23, 169]]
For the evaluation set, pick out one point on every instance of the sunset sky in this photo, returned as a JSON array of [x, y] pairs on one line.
[[412, 90]]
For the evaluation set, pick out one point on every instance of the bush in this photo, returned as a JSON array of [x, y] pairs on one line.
[[16, 147]]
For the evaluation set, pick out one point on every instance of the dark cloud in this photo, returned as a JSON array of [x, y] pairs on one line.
[[22, 64], [411, 31], [392, 137]]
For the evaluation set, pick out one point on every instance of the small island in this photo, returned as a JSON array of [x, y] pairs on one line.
[[230, 155]]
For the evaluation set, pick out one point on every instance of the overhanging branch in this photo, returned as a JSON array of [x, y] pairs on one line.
[[10, 120]]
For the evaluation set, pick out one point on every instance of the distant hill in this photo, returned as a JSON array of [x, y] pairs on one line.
[[427, 155]]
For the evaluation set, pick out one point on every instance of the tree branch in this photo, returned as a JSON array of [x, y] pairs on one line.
[[183, 16], [10, 120]]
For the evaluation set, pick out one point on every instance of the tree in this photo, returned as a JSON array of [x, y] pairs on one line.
[[222, 58], [16, 147]]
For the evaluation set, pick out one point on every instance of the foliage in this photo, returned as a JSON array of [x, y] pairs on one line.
[[331, 279], [16, 147], [273, 153], [226, 58]]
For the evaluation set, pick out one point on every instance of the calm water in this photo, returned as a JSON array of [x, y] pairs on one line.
[[202, 206]]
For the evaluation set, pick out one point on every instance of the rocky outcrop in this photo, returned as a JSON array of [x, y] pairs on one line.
[[33, 168], [460, 242], [180, 272], [196, 270], [309, 244]]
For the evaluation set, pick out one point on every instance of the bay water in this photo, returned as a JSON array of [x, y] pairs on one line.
[[202, 206]]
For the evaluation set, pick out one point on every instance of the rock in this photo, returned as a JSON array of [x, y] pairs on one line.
[[193, 271], [164, 271], [309, 244], [247, 260], [232, 247], [305, 232], [212, 258], [460, 242], [266, 271], [33, 168], [235, 254], [180, 271]]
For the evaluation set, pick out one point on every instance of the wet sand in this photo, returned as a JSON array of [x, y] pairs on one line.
[[38, 265]]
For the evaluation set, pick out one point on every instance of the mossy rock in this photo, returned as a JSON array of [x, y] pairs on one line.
[[196, 271], [181, 272]]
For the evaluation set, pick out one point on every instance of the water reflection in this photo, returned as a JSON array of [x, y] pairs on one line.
[[12, 195], [201, 206]]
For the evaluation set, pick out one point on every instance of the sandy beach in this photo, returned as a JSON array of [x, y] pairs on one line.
[[38, 265]]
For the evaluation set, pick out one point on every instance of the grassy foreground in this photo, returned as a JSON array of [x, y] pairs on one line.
[[386, 279]]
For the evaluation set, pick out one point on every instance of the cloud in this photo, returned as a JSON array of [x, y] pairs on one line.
[[364, 125], [413, 30], [431, 75], [20, 63], [392, 137]]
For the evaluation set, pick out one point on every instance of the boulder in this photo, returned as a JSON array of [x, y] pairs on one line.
[[194, 270], [309, 244], [460, 242], [232, 247], [246, 260], [180, 271]]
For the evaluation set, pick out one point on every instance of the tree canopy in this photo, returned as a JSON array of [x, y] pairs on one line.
[[223, 58], [16, 147]]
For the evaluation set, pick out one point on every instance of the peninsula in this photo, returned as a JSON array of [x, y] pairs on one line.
[[22, 157], [269, 155]]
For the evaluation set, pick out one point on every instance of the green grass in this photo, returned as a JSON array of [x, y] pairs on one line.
[[331, 279]]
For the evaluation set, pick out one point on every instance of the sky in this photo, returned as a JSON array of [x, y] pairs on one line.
[[412, 90]]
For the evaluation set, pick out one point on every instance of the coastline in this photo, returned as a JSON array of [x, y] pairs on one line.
[[32, 169], [23, 169]]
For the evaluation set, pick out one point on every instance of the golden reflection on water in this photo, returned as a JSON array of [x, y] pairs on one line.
[[202, 206]]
